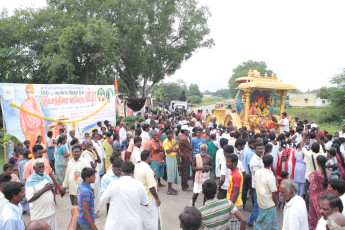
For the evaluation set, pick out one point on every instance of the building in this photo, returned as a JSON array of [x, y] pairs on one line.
[[301, 100]]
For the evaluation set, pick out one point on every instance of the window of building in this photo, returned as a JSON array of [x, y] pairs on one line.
[[323, 102], [306, 100]]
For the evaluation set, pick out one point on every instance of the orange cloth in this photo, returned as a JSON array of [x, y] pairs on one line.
[[156, 156]]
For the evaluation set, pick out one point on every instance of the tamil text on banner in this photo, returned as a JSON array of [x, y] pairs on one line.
[[30, 110]]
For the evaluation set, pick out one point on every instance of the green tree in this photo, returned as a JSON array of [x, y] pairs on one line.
[[242, 71], [166, 92], [194, 91], [224, 93], [194, 99]]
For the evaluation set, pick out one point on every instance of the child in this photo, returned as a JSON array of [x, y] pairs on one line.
[[284, 176], [8, 168], [332, 163], [86, 218]]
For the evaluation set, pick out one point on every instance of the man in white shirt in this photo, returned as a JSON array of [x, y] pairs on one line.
[[266, 191], [73, 173], [145, 175], [126, 196], [342, 132], [220, 157], [255, 164], [123, 134], [283, 124], [145, 133], [295, 211], [71, 136], [39, 190], [275, 149], [136, 154]]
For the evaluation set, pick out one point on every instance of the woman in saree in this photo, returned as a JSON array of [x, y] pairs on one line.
[[108, 147], [340, 159], [318, 187], [61, 158], [212, 150]]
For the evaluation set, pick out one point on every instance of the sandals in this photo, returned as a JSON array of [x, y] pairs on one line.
[[172, 193]]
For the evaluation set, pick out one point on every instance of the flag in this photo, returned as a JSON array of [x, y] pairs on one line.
[[116, 86]]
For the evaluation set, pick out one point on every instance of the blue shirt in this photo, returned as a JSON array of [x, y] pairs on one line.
[[12, 217], [247, 156], [107, 179], [196, 144], [21, 169], [85, 194]]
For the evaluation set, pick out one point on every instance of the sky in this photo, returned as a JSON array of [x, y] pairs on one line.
[[303, 42]]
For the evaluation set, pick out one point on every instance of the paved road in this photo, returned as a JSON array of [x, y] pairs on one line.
[[170, 209]]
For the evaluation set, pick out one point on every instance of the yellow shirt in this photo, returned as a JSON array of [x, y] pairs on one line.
[[167, 145]]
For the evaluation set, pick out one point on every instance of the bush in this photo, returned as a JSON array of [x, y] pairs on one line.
[[194, 99]]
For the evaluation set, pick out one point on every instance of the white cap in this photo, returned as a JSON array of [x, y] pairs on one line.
[[184, 127]]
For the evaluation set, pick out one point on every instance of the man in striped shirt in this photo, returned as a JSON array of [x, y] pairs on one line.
[[216, 213]]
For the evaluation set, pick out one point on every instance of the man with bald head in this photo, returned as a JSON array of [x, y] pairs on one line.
[[38, 225], [336, 221], [39, 190], [295, 211]]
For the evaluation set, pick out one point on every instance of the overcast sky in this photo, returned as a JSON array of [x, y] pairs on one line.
[[303, 42]]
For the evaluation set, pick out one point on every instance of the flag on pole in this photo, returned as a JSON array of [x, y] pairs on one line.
[[116, 86]]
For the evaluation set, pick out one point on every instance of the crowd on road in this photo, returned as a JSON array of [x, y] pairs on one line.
[[298, 171]]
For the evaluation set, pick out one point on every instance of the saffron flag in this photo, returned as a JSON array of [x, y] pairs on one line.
[[116, 86]]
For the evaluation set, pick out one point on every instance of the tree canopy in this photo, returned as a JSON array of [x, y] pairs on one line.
[[242, 70], [91, 41]]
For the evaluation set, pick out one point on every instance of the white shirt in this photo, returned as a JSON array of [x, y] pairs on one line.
[[145, 175], [342, 198], [44, 206], [73, 174], [284, 128], [123, 135], [295, 214], [265, 184], [136, 155], [226, 172], [126, 196], [341, 134], [321, 224], [3, 202], [145, 136], [255, 164], [274, 154], [220, 158]]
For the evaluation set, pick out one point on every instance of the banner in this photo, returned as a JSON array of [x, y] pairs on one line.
[[30, 110]]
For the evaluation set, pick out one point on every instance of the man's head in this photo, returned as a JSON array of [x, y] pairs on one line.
[[72, 133], [137, 141], [123, 124], [146, 127], [88, 175], [284, 115], [38, 225], [27, 144], [8, 168], [190, 219], [287, 190], [127, 167], [231, 161], [76, 150], [117, 163], [169, 133], [14, 192], [145, 156], [38, 166], [336, 221], [37, 151], [203, 149], [268, 160], [209, 189], [228, 149], [4, 179], [251, 143], [223, 142], [259, 148], [198, 133], [329, 204], [240, 144], [336, 186]]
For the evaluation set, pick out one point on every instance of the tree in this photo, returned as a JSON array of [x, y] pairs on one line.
[[194, 99], [155, 37], [166, 92], [194, 91], [224, 93], [242, 71]]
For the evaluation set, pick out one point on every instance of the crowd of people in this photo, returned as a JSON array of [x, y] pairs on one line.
[[300, 171]]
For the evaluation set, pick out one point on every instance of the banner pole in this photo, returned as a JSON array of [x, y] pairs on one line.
[[4, 129]]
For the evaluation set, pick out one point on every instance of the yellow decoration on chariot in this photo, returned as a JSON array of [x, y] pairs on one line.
[[57, 120]]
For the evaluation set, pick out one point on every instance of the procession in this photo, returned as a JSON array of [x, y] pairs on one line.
[[115, 116]]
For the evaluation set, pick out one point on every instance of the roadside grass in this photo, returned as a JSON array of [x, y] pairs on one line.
[[209, 101], [311, 114]]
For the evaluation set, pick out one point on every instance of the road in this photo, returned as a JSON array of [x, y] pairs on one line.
[[170, 209]]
